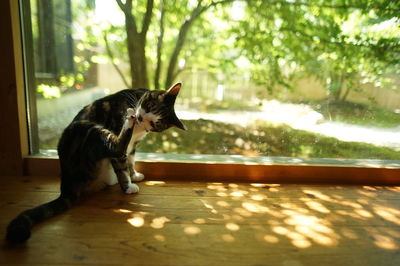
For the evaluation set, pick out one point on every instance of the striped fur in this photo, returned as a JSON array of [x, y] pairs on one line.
[[101, 137]]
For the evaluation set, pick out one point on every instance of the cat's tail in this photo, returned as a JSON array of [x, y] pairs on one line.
[[19, 229]]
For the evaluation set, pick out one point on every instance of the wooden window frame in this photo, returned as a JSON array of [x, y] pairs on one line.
[[14, 141]]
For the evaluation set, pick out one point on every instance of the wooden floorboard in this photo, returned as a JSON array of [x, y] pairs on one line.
[[195, 223]]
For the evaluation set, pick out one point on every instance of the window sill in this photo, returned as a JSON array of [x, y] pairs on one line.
[[224, 168]]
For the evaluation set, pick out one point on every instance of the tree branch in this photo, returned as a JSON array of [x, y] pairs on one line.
[[127, 7], [129, 17], [121, 5], [160, 41], [147, 17], [111, 56], [183, 31]]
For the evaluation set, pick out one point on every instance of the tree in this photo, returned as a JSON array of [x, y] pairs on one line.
[[283, 39], [280, 39], [136, 40]]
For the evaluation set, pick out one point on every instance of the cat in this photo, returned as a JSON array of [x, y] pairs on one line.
[[97, 149]]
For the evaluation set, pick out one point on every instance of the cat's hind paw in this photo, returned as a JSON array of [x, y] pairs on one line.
[[137, 176], [133, 188]]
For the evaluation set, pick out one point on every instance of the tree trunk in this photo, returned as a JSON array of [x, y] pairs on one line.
[[159, 48], [137, 59], [335, 86], [136, 42], [348, 89], [46, 42]]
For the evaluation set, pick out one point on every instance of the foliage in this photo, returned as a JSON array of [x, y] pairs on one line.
[[344, 44], [48, 92], [85, 44]]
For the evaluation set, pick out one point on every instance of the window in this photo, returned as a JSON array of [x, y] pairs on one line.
[[263, 82]]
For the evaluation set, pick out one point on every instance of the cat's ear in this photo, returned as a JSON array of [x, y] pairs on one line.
[[169, 96], [175, 122], [174, 89]]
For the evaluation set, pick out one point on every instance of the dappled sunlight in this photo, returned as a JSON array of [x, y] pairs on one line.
[[199, 221], [258, 197], [238, 193], [243, 212], [395, 189], [160, 238], [209, 206], [311, 228], [364, 213], [232, 226], [228, 238], [141, 204], [387, 213], [303, 217], [223, 203], [316, 206], [158, 223], [316, 194], [299, 222], [261, 185], [154, 183], [271, 239], [122, 211], [255, 207], [136, 221], [349, 233], [192, 230], [385, 242]]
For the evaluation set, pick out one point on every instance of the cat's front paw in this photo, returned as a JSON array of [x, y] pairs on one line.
[[133, 188], [137, 176], [130, 118], [130, 112]]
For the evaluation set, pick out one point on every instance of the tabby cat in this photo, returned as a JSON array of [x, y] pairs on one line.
[[98, 147]]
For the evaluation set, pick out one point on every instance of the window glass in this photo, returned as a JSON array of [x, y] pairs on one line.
[[260, 78]]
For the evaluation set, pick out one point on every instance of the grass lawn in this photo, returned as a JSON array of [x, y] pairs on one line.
[[261, 139], [356, 113], [264, 139]]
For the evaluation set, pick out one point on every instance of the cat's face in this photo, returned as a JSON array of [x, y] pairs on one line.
[[156, 112]]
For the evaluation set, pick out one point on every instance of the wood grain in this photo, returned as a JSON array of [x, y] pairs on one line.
[[208, 223]]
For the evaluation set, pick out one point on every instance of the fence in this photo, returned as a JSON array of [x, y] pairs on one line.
[[201, 85]]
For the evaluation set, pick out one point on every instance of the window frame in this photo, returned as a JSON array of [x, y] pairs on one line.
[[22, 163]]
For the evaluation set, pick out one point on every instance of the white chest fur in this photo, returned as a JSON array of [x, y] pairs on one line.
[[139, 132], [141, 128], [105, 176]]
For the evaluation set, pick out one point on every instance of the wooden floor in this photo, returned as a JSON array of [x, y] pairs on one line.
[[176, 223]]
